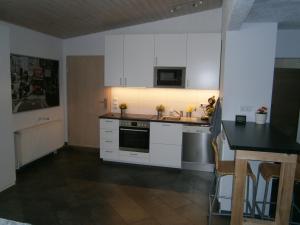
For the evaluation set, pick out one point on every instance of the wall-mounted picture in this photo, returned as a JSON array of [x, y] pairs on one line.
[[34, 83]]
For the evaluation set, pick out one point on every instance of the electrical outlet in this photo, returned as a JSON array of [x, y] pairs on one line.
[[115, 103], [246, 108]]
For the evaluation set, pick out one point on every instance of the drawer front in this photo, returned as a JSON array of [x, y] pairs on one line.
[[109, 144], [166, 133], [109, 124], [110, 135], [134, 157], [165, 155], [110, 154]]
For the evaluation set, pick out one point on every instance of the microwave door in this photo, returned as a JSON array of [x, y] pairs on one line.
[[170, 78]]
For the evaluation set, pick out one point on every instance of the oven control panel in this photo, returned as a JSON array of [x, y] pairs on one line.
[[132, 123]]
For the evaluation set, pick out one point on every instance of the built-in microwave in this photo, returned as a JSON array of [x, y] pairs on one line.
[[169, 77]]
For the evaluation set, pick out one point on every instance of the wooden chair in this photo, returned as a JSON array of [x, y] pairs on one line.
[[268, 171], [226, 168]]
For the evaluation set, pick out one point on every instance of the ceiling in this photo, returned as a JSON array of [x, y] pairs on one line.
[[70, 18], [285, 12]]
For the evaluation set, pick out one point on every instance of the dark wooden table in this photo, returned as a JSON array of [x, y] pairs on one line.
[[263, 143]]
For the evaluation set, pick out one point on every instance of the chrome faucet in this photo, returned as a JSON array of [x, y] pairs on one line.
[[179, 114]]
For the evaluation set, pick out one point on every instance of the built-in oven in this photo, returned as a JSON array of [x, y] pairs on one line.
[[169, 77], [134, 136]]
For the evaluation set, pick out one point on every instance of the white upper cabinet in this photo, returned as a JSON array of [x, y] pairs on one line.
[[138, 60], [113, 75], [170, 50], [203, 61], [130, 59]]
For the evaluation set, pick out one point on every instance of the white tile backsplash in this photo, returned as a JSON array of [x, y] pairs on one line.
[[144, 100]]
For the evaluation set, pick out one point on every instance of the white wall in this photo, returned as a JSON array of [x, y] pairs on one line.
[[93, 44], [145, 100], [288, 44], [248, 69], [24, 41], [7, 155], [246, 80]]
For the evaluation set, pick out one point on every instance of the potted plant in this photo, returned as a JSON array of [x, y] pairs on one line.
[[189, 110], [261, 115], [160, 109], [123, 108]]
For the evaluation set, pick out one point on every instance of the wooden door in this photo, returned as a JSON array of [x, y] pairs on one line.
[[87, 99]]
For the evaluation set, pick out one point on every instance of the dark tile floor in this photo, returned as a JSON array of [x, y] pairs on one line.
[[75, 187]]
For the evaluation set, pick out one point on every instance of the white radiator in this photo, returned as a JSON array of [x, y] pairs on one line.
[[35, 142]]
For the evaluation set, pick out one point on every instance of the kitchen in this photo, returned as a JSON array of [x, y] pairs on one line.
[[185, 61], [241, 73]]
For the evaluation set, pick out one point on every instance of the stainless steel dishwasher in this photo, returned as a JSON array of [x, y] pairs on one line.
[[196, 149]]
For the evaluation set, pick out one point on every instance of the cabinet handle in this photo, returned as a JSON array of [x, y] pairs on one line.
[[133, 154], [108, 131], [108, 141], [121, 81], [108, 121], [125, 81], [108, 151], [166, 125], [155, 61], [187, 83]]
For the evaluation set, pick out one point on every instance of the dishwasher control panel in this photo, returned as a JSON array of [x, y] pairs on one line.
[[196, 129]]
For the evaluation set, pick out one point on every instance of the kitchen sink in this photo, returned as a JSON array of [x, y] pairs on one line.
[[171, 118]]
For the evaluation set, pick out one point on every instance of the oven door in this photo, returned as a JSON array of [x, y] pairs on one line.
[[134, 139]]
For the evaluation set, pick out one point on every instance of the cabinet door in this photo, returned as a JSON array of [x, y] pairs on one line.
[[109, 154], [109, 124], [165, 155], [203, 61], [170, 50], [113, 75], [138, 60], [166, 133]]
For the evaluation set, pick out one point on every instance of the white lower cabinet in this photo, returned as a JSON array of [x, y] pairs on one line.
[[165, 155], [165, 144], [109, 139], [134, 157], [109, 154]]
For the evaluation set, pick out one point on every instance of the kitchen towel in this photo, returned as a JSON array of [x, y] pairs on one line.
[[215, 128]]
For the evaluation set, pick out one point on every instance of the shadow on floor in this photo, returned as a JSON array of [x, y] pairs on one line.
[[76, 187]]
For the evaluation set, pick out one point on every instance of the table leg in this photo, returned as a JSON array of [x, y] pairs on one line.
[[238, 192], [285, 193]]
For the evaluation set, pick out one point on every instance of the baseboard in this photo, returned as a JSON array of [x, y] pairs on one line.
[[84, 148], [8, 186]]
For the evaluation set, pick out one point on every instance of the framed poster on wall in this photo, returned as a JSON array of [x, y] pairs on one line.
[[34, 83]]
